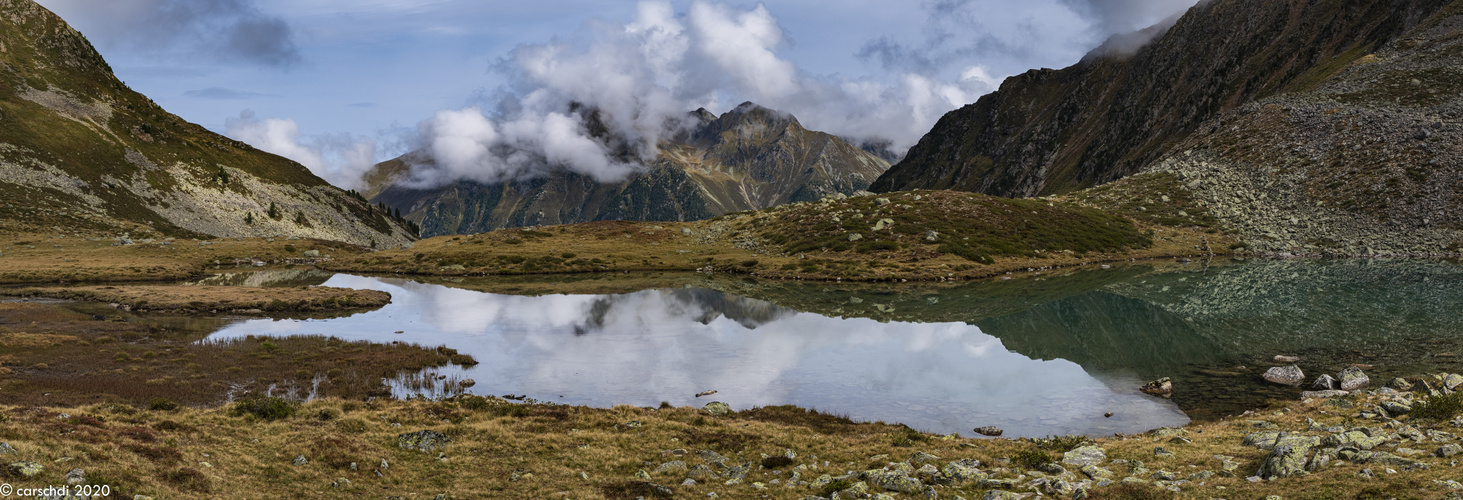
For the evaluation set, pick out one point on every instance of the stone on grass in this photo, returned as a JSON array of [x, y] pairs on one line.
[[1399, 384], [423, 440], [1448, 450], [900, 483], [26, 469], [717, 408], [1004, 495], [1085, 455], [1322, 394], [1285, 375], [76, 477], [6, 449], [301, 461], [672, 467], [1288, 457], [1352, 378]]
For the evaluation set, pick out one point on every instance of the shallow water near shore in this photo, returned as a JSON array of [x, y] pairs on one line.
[[1036, 356]]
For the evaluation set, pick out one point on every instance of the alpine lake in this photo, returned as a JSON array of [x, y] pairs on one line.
[[1046, 353]]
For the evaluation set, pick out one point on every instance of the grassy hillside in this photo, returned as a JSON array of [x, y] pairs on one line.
[[81, 151]]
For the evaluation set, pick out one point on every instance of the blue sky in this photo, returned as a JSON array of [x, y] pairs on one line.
[[340, 84]]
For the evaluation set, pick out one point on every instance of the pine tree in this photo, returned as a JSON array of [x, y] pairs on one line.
[[273, 211], [300, 217], [249, 219]]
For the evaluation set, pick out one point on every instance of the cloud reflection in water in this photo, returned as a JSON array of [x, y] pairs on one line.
[[667, 345]]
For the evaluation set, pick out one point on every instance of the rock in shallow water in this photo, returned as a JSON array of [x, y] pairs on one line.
[[1161, 387], [1285, 375], [1324, 383], [989, 431]]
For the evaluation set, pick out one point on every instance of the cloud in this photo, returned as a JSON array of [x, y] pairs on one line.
[[631, 83], [1112, 17], [209, 30], [340, 159], [223, 94]]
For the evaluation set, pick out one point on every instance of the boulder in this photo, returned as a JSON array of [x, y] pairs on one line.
[[1085, 455], [1289, 457], [1451, 381], [1448, 450], [1162, 387], [672, 467], [312, 254], [423, 440], [989, 431], [1285, 375], [1352, 379], [301, 461], [26, 469], [1399, 384], [76, 477], [963, 470], [1281, 358], [6, 449], [1322, 394], [900, 483], [1325, 383], [717, 408]]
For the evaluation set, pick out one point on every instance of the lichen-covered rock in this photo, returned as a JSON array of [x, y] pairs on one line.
[[1399, 384], [1285, 375], [1448, 450], [963, 470], [989, 431], [76, 477], [1352, 378], [900, 483], [717, 408], [1324, 383], [26, 469], [1264, 440], [1289, 456], [1004, 495], [423, 440], [672, 467], [737, 471], [6, 449], [1085, 455]]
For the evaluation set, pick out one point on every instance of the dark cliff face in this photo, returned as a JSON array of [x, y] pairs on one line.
[[747, 159], [1054, 131], [82, 151]]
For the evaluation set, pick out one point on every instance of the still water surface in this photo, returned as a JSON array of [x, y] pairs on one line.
[[1035, 357]]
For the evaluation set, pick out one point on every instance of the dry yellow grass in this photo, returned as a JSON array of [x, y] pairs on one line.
[[212, 299], [501, 449]]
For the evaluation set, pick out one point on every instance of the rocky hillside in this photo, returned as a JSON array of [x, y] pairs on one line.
[[79, 151], [747, 159], [1305, 128], [1113, 113]]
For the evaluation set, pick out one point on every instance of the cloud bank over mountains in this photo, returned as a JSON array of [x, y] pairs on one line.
[[644, 76], [191, 29]]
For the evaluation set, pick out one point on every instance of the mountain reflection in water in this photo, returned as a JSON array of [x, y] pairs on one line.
[[667, 345]]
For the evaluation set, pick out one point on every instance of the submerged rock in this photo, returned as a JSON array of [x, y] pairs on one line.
[[1285, 375], [989, 431]]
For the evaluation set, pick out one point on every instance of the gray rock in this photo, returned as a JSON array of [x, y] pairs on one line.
[[855, 237], [932, 236], [1086, 455], [900, 483], [737, 471], [76, 477], [1162, 387], [1096, 473], [1288, 457], [963, 470], [1264, 440], [423, 440], [672, 467], [920, 457], [700, 472], [1448, 450], [301, 461], [1324, 383], [989, 431], [1395, 408], [1285, 375], [1451, 381], [6, 449], [1004, 495], [711, 457], [1400, 384], [1352, 379], [27, 470], [717, 408], [1322, 394], [313, 254], [1161, 452]]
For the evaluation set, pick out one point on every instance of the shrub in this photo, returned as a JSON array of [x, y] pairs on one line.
[[1439, 407], [265, 407], [1030, 459], [161, 404]]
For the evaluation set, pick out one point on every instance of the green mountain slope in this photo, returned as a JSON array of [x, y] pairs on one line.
[[79, 151], [747, 159]]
